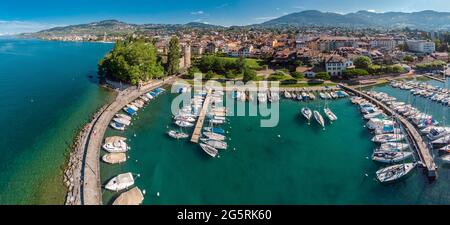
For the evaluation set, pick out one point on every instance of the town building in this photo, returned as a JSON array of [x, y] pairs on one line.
[[336, 64], [421, 46]]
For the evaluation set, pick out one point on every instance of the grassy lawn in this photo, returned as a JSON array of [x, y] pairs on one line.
[[255, 64]]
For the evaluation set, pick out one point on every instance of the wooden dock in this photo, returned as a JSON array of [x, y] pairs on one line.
[[434, 78], [414, 136], [201, 119]]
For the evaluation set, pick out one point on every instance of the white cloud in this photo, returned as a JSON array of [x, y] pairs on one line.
[[198, 13], [371, 10], [10, 27]]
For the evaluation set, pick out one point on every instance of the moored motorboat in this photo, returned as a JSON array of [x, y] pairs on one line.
[[120, 115], [115, 146], [117, 126], [120, 182], [181, 123], [214, 143], [114, 158], [393, 146], [122, 121], [177, 134]]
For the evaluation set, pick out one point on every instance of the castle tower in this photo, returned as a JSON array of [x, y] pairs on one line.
[[187, 55]]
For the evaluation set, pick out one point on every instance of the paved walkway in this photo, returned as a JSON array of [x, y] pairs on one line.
[[91, 186]]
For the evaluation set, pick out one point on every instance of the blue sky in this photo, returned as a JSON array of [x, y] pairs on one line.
[[25, 16]]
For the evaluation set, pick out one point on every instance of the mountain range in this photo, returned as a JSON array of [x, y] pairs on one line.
[[424, 20]]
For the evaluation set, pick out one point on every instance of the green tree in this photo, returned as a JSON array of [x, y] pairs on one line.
[[249, 75], [297, 75], [230, 74], [173, 56], [131, 61], [323, 75], [209, 75], [349, 73], [192, 71], [362, 62], [408, 58]]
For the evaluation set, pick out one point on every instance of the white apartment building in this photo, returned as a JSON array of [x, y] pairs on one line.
[[336, 64], [421, 46], [383, 43]]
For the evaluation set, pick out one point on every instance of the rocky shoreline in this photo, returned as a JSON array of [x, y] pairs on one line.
[[72, 173]]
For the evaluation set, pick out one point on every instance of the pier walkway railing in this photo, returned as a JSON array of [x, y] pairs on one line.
[[414, 136]]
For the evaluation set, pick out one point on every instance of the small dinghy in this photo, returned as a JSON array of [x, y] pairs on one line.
[[395, 172], [209, 150], [330, 114], [177, 134], [390, 157], [120, 182]]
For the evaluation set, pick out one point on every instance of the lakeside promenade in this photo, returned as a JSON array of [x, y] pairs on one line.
[[90, 189]]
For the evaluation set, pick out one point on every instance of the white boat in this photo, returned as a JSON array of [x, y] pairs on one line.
[[307, 113], [319, 118], [133, 107], [117, 126], [445, 148], [376, 123], [183, 123], [446, 158], [214, 136], [122, 121], [209, 150], [120, 182], [383, 138], [390, 157], [214, 143], [393, 146], [372, 115], [185, 118], [330, 114], [442, 141], [120, 115], [395, 172], [177, 134], [388, 130], [287, 95], [214, 121], [114, 158], [116, 146], [438, 132]]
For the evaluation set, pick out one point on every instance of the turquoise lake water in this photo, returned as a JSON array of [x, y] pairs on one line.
[[293, 163], [46, 95]]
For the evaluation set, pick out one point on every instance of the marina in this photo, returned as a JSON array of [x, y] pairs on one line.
[[387, 153]]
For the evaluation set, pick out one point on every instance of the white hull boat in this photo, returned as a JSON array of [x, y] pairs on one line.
[[181, 123], [393, 147], [177, 134], [120, 182], [211, 151], [115, 147], [214, 136], [122, 121], [390, 157], [395, 172], [307, 113], [330, 114], [383, 138], [319, 118]]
